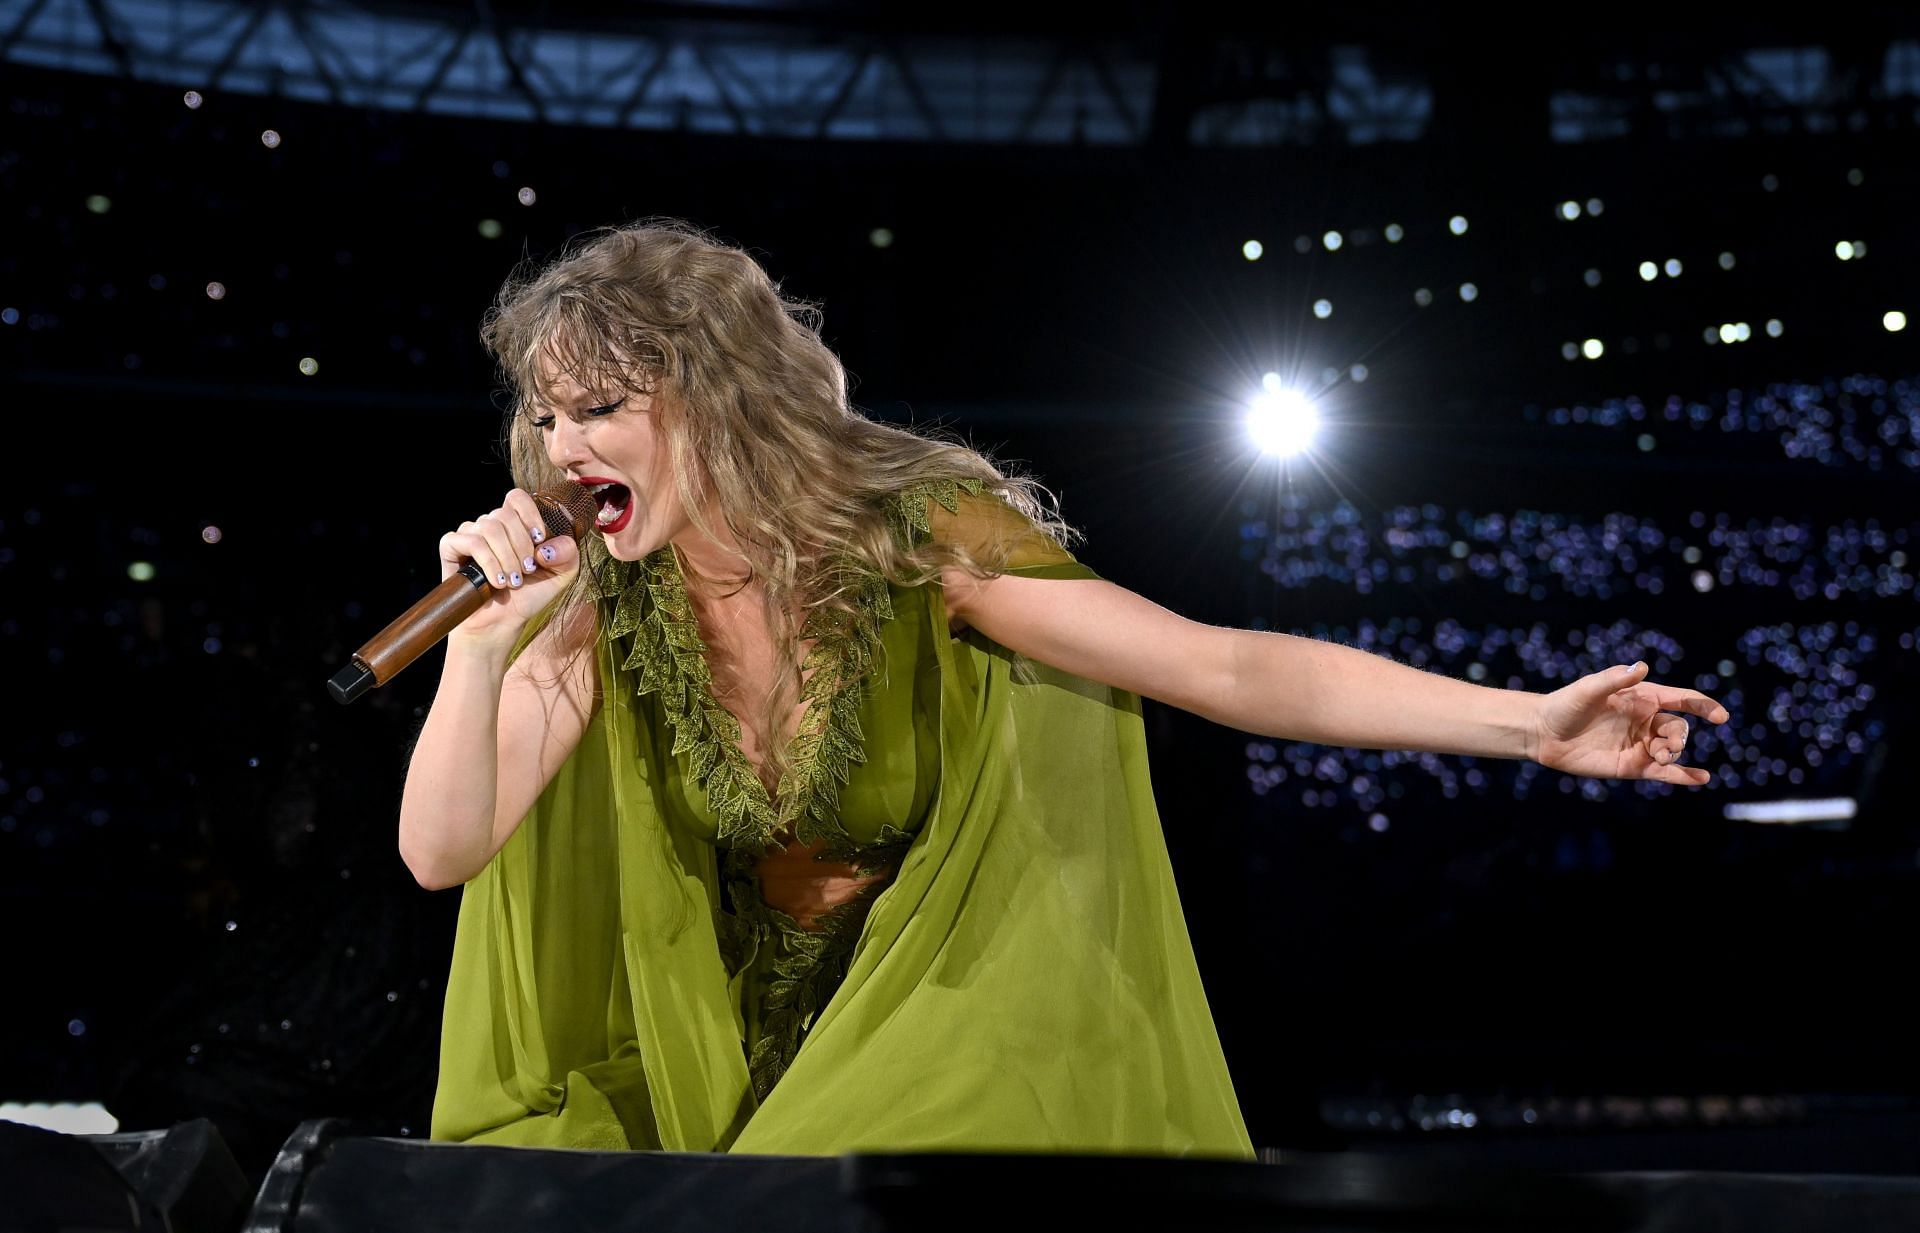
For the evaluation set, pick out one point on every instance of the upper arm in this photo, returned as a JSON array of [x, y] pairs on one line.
[[1050, 608], [547, 699], [1094, 629]]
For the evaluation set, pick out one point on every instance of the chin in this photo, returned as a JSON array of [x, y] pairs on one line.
[[625, 546]]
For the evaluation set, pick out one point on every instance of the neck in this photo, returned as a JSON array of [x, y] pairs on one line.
[[715, 557]]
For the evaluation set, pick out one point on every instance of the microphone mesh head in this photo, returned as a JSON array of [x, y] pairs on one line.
[[567, 508]]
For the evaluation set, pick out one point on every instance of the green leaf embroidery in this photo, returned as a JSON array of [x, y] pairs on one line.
[[649, 606]]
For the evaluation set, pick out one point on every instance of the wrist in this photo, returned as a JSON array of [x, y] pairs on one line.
[[493, 648], [1533, 728]]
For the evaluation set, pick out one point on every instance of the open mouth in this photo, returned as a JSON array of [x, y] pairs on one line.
[[615, 501]]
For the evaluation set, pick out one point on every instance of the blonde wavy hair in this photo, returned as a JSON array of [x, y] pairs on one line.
[[753, 407]]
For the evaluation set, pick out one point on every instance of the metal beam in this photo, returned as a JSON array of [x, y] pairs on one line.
[[1169, 76]]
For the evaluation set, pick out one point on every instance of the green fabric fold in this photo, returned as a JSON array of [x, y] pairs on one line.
[[1024, 982]]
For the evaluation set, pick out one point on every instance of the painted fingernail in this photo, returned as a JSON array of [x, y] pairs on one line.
[[547, 552], [529, 565], [516, 579], [501, 579], [539, 534]]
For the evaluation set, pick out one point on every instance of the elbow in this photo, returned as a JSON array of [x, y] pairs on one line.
[[430, 875]]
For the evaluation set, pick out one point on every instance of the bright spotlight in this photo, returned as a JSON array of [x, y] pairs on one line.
[[1775, 329], [1844, 250], [1894, 321], [1273, 383], [1726, 261], [1595, 206], [1649, 271], [1394, 233], [1569, 210], [1282, 422], [1570, 351], [1333, 240], [1323, 309], [1742, 331], [1673, 268], [1729, 333], [1593, 348], [1423, 297], [1252, 250], [1469, 292], [1457, 224]]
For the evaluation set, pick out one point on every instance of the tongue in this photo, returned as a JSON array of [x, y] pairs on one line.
[[613, 502]]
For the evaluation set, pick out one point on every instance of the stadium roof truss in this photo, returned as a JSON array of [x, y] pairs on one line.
[[773, 71]]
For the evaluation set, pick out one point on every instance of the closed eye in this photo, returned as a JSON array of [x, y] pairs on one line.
[[546, 421]]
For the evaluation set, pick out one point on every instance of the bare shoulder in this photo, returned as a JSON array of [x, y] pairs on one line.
[[996, 537], [993, 531]]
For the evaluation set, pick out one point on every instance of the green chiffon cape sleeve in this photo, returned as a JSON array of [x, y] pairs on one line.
[[1024, 983]]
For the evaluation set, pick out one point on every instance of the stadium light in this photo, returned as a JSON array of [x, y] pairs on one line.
[[1282, 421]]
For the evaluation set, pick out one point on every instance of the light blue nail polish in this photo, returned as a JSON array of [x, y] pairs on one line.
[[500, 578], [538, 535], [547, 553], [516, 579], [528, 565]]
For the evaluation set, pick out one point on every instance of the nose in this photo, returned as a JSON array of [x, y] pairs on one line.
[[566, 444]]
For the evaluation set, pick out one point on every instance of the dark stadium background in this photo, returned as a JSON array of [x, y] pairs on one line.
[[205, 912]]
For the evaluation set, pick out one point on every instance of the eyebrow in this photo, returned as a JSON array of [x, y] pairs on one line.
[[585, 402]]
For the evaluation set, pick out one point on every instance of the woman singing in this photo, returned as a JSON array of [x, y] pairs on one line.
[[804, 807]]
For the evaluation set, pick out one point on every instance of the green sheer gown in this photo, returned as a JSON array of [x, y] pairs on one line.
[[1023, 981]]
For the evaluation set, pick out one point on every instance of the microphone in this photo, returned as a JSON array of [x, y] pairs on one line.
[[566, 508]]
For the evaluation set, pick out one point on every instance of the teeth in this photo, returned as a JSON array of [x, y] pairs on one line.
[[597, 489]]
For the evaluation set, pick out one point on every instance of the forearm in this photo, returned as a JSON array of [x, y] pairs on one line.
[[447, 806], [1309, 690]]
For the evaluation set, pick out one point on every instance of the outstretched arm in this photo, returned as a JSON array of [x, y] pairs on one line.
[[1611, 723]]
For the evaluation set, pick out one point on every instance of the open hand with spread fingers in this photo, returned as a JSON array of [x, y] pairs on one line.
[[1616, 724]]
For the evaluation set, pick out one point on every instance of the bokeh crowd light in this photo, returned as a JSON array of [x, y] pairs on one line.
[[1540, 555], [1801, 700], [1859, 420], [1807, 696]]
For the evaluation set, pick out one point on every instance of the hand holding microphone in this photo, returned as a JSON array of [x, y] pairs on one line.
[[496, 574]]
